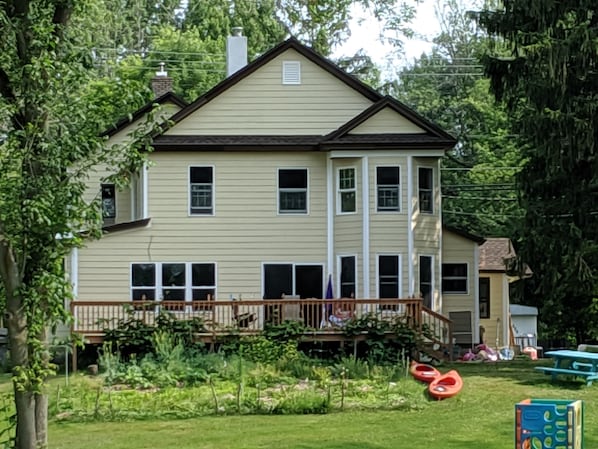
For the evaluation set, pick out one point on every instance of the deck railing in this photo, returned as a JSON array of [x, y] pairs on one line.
[[92, 318]]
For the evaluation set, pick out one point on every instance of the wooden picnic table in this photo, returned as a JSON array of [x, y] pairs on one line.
[[572, 363]]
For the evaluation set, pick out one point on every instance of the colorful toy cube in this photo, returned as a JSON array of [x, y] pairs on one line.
[[549, 424]]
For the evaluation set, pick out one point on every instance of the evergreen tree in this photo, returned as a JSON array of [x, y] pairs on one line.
[[544, 66]]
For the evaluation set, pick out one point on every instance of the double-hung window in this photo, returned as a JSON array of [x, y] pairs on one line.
[[426, 189], [201, 190], [484, 297], [108, 203], [292, 191], [173, 281], [203, 281], [454, 278], [346, 190], [388, 180], [388, 278], [425, 280], [143, 282], [348, 271]]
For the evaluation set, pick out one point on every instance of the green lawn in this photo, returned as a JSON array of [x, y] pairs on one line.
[[480, 417]]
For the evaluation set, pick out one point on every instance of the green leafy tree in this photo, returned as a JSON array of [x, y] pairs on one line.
[[447, 86], [215, 19], [49, 144], [544, 67]]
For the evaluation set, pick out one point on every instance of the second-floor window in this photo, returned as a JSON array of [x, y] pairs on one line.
[[388, 180], [108, 203], [426, 189], [292, 191], [201, 190], [346, 190]]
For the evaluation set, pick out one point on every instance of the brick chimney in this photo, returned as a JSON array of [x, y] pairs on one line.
[[236, 51], [161, 83]]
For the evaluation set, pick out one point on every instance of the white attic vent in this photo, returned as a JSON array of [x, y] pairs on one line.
[[291, 72]]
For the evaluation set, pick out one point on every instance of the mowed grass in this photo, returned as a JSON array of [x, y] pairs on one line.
[[482, 416]]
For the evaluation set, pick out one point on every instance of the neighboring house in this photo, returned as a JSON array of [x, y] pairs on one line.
[[288, 171], [494, 292], [460, 283]]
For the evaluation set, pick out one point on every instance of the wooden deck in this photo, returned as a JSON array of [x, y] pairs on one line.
[[247, 317]]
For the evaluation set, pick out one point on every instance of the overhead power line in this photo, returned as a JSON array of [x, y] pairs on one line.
[[477, 214]]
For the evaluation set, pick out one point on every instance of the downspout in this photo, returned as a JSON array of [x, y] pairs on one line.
[[329, 215], [440, 252], [507, 328], [410, 224], [476, 294], [145, 191]]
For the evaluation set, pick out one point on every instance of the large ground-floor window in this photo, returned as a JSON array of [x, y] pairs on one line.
[[302, 280], [168, 281]]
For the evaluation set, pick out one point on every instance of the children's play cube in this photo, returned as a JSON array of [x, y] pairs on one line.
[[549, 424]]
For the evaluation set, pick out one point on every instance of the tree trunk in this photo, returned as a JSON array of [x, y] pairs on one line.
[[41, 399], [24, 400], [41, 420], [25, 404], [16, 322]]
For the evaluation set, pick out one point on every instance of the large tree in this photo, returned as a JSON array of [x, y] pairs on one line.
[[447, 86], [48, 145], [545, 68]]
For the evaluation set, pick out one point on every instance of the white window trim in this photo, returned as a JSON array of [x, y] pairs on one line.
[[467, 278], [307, 193], [400, 189], [159, 287], [189, 214], [291, 68], [432, 196], [340, 191]]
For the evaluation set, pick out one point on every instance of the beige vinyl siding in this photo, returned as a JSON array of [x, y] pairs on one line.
[[457, 249], [261, 104], [388, 230], [387, 121], [348, 227], [104, 265], [245, 231], [494, 328]]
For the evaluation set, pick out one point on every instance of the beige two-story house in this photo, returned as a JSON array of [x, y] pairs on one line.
[[288, 172]]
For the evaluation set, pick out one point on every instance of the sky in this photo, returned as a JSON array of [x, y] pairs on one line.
[[365, 35]]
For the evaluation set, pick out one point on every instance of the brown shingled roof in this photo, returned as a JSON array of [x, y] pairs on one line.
[[494, 252]]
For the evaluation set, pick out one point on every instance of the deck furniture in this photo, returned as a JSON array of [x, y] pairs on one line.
[[572, 363]]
